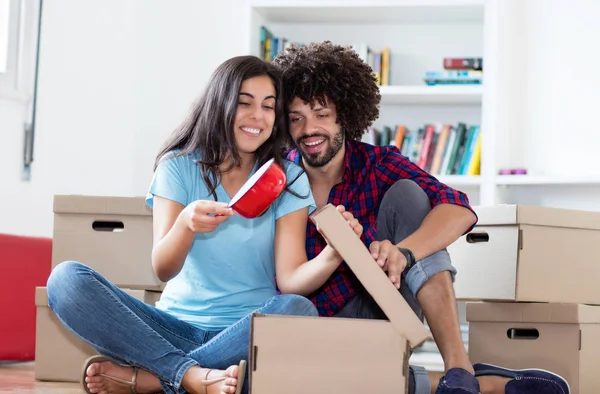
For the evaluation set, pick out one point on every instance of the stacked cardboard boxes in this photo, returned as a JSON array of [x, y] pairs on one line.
[[531, 275], [112, 235]]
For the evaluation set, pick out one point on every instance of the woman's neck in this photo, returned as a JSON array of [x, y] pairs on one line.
[[247, 162]]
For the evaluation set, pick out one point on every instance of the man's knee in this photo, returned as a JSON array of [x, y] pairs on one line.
[[406, 195], [405, 205]]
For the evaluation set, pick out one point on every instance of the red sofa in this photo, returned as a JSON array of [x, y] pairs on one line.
[[25, 263]]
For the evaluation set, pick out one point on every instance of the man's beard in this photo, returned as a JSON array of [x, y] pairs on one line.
[[321, 158]]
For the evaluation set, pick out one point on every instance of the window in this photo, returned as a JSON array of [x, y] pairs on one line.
[[20, 22], [4, 28]]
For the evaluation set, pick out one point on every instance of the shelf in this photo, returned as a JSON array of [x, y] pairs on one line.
[[364, 11], [459, 180], [532, 180], [428, 95]]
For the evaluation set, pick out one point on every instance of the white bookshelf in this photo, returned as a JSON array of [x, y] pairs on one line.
[[431, 95], [420, 33], [541, 180], [365, 11]]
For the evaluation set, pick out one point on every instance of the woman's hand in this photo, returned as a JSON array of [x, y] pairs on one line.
[[203, 216], [352, 222]]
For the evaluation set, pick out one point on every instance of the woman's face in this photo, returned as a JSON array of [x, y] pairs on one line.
[[255, 114]]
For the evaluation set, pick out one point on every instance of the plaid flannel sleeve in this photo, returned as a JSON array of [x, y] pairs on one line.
[[395, 166]]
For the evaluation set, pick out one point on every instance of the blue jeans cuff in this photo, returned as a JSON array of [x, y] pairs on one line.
[[427, 268]]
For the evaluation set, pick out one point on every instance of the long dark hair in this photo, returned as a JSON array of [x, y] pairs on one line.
[[209, 125]]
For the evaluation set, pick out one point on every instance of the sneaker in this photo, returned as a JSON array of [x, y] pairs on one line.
[[525, 381], [458, 381]]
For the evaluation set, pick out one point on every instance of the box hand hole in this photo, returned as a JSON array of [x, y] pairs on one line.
[[473, 238], [114, 227], [522, 333]]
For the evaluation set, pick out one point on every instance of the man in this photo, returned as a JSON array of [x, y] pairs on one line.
[[408, 216]]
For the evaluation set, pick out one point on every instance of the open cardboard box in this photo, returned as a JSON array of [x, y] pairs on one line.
[[298, 355]]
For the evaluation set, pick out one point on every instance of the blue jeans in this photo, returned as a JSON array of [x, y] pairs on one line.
[[131, 332]]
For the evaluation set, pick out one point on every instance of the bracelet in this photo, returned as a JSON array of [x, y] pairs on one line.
[[410, 257]]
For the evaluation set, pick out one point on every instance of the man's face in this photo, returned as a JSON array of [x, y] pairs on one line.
[[315, 132]]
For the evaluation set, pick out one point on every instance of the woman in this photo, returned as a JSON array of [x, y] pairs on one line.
[[219, 267]]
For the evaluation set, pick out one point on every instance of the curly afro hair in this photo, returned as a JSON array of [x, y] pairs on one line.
[[325, 71]]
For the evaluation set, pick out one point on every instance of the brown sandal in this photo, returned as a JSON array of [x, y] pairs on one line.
[[206, 382], [240, 379], [100, 359]]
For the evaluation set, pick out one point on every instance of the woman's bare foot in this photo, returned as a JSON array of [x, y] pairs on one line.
[[194, 377], [145, 383]]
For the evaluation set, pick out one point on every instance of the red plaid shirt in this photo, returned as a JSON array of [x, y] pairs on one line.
[[369, 172]]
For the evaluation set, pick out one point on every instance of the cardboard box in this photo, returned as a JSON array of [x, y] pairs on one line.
[[293, 355], [561, 338], [526, 253], [112, 235], [59, 354]]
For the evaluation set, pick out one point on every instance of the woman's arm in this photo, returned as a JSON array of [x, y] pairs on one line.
[[174, 230], [172, 238], [295, 275]]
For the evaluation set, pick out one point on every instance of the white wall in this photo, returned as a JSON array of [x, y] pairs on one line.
[[115, 78], [562, 86], [556, 91]]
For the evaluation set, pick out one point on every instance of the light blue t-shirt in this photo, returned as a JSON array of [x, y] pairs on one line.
[[229, 272]]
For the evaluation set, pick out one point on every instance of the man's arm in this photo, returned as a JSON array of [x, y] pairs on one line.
[[440, 228], [451, 216]]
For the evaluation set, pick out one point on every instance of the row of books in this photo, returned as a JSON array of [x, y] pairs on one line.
[[377, 59], [271, 45], [438, 148], [456, 70]]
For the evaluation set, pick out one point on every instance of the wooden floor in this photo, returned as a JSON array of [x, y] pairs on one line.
[[18, 378]]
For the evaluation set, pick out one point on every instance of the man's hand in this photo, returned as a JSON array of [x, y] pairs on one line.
[[390, 259]]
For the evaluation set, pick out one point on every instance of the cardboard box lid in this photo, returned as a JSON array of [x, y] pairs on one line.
[[524, 312], [105, 205], [333, 225], [537, 215]]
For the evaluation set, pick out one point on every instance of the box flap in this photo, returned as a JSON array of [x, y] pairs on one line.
[[41, 296], [516, 312], [537, 216], [106, 205], [558, 217], [333, 225]]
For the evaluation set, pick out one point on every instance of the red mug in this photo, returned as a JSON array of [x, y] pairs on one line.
[[260, 191]]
